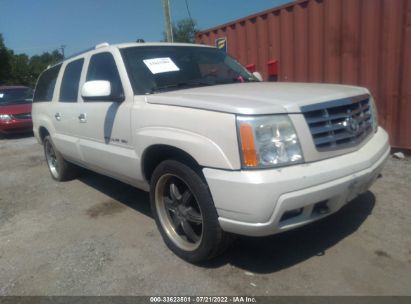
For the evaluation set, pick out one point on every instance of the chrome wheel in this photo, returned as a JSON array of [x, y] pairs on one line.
[[179, 212], [51, 159]]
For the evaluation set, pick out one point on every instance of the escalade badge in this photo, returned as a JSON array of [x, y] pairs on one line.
[[351, 125]]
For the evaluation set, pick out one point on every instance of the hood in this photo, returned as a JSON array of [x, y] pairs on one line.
[[20, 108], [256, 97]]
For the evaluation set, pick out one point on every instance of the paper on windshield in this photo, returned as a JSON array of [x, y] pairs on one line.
[[161, 65], [1, 95]]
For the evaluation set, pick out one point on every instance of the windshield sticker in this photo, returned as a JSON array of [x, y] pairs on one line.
[[161, 65], [1, 95]]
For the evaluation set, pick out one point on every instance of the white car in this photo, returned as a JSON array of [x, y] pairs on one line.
[[221, 152]]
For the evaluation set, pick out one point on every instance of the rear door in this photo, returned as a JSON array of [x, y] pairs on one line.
[[67, 109]]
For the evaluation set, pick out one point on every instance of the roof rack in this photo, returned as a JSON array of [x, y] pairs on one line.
[[98, 46]]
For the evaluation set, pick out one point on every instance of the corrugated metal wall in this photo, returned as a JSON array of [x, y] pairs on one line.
[[361, 42]]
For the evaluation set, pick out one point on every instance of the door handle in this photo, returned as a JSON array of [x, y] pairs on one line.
[[82, 117], [57, 116]]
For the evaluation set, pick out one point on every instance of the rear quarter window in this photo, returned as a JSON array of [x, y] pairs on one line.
[[46, 83]]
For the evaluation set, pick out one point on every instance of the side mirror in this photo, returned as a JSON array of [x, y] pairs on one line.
[[96, 90], [258, 76]]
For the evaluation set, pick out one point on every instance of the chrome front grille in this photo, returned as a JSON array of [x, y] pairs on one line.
[[339, 123], [22, 116]]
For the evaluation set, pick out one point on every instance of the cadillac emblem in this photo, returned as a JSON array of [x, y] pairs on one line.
[[351, 125]]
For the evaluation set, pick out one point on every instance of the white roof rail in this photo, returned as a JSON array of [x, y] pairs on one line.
[[100, 45]]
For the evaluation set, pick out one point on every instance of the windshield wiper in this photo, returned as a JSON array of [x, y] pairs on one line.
[[242, 79], [183, 84]]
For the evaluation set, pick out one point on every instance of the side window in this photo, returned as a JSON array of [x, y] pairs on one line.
[[46, 83], [70, 83], [103, 67]]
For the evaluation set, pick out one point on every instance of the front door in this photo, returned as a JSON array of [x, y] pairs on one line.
[[105, 125]]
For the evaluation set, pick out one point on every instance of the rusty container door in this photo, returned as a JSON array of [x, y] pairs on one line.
[[358, 42]]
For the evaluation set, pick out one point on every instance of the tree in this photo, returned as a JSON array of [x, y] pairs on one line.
[[5, 64], [184, 31], [20, 73], [38, 63], [20, 69]]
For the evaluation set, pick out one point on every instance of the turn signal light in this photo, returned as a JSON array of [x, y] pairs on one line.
[[248, 145]]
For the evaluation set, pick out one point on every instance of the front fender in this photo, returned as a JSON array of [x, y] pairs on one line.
[[204, 150]]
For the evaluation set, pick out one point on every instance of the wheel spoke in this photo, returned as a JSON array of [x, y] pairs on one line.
[[194, 216], [177, 222], [186, 197], [174, 192], [189, 232], [179, 212], [48, 151], [170, 205]]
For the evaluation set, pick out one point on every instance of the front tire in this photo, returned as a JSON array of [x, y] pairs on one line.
[[60, 169], [185, 213]]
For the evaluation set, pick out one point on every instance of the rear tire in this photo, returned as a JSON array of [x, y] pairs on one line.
[[60, 169], [185, 214]]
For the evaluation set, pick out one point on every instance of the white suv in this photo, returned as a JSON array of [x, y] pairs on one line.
[[220, 152]]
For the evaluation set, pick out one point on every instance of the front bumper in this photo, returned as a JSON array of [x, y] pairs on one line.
[[265, 202], [16, 126]]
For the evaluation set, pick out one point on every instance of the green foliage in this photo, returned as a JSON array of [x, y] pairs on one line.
[[184, 31], [21, 69], [5, 66]]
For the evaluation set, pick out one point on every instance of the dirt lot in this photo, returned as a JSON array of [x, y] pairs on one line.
[[95, 236]]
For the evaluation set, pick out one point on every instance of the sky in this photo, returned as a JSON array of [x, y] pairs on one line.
[[37, 26]]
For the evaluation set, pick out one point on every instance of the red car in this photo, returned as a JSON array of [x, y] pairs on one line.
[[15, 109]]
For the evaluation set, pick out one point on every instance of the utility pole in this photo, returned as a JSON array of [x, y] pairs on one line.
[[62, 47], [167, 20]]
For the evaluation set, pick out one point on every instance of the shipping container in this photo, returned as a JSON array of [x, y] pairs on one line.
[[359, 42]]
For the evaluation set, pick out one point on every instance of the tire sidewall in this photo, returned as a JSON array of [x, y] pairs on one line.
[[47, 140], [66, 171], [199, 188]]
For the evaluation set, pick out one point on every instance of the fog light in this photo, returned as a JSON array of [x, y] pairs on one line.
[[291, 213], [321, 208]]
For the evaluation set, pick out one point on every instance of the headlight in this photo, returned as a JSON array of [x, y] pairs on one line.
[[374, 114], [268, 141], [5, 117]]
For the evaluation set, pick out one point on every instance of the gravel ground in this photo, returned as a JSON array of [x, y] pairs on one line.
[[95, 236]]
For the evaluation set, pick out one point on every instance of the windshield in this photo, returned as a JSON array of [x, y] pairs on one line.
[[155, 69], [18, 95]]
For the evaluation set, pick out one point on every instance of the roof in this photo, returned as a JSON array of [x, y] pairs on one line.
[[126, 45], [133, 44]]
